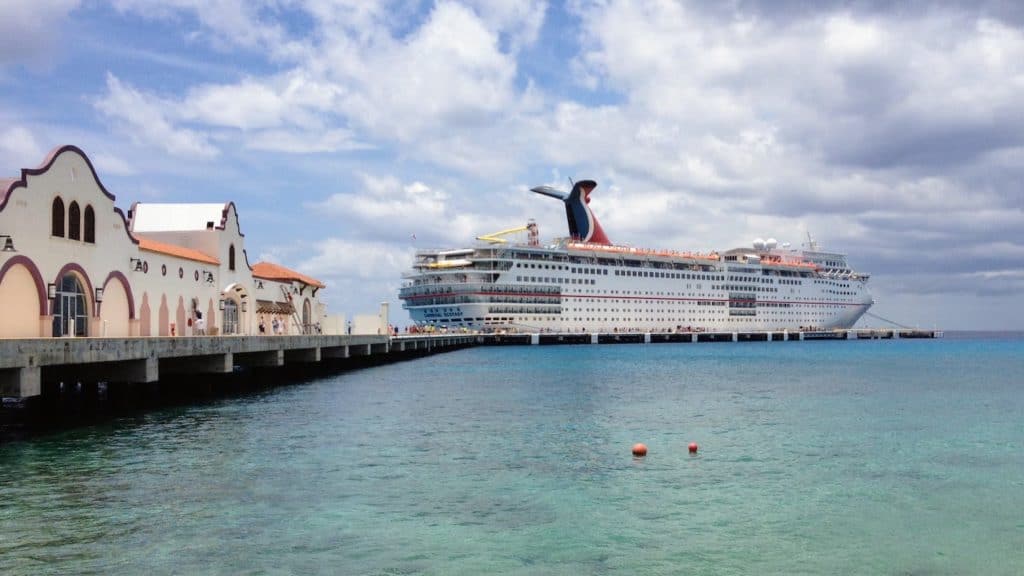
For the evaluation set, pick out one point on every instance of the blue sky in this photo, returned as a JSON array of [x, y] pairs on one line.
[[891, 131]]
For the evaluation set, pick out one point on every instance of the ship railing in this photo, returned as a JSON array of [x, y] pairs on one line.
[[629, 250]]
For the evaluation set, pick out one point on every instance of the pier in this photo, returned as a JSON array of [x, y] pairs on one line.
[[27, 365]]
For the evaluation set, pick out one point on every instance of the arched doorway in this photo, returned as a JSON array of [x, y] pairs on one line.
[[70, 308], [116, 311], [22, 299], [233, 307], [307, 317], [230, 320]]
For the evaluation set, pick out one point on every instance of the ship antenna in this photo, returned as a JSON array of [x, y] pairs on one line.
[[812, 244]]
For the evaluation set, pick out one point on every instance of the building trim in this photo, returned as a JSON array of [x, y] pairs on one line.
[[36, 276], [73, 267], [47, 164], [116, 274]]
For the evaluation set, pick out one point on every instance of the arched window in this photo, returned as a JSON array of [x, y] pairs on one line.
[[231, 257], [57, 218], [74, 222], [90, 225]]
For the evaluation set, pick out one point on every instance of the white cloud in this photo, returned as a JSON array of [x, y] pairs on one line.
[[386, 201], [106, 163], [29, 30], [247, 105], [288, 99], [19, 149], [148, 120], [225, 23], [294, 142], [705, 126], [339, 257], [519, 20], [449, 74], [441, 86]]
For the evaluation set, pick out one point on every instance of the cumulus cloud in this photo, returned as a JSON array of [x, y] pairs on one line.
[[386, 199], [359, 274], [335, 257], [450, 73], [823, 112], [890, 129], [149, 121]]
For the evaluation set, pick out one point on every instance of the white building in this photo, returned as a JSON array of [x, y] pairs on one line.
[[73, 264]]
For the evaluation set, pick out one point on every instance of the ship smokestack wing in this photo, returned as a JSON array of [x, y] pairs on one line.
[[549, 191], [583, 225]]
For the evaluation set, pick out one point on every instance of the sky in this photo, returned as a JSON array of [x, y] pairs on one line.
[[351, 133]]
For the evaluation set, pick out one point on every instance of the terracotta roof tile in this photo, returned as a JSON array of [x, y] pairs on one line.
[[179, 251], [269, 271]]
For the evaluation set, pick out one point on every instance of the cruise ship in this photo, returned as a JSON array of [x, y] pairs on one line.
[[585, 283]]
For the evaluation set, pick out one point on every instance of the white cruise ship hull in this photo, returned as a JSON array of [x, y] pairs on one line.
[[606, 290]]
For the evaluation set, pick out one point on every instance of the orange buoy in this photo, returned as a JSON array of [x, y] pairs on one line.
[[693, 447], [639, 449]]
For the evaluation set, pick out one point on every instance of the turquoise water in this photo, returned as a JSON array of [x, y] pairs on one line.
[[865, 457]]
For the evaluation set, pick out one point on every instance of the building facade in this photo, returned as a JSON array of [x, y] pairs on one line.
[[74, 264]]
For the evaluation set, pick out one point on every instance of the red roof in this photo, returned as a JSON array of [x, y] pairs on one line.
[[179, 251], [269, 271]]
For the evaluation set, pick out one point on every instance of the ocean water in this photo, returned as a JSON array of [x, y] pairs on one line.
[[861, 457]]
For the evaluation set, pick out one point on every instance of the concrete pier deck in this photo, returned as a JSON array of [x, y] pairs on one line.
[[25, 364]]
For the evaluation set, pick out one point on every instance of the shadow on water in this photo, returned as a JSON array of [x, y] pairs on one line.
[[67, 405]]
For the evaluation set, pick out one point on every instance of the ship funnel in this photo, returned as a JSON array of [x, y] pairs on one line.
[[583, 225]]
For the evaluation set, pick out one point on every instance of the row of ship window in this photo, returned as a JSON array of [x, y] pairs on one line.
[[464, 298], [517, 316]]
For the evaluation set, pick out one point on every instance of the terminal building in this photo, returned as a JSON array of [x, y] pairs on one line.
[[72, 263]]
